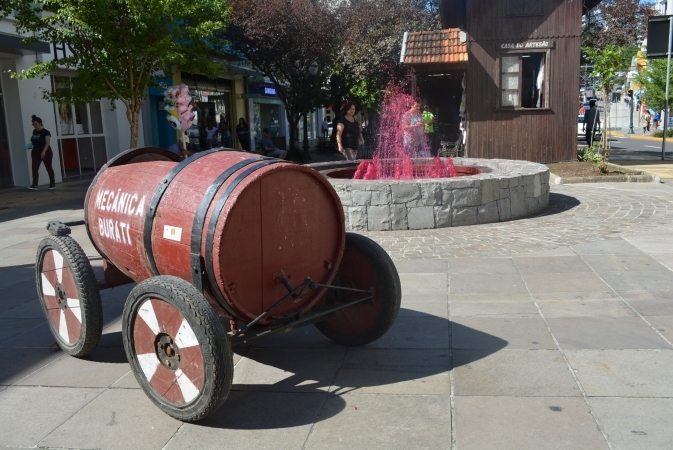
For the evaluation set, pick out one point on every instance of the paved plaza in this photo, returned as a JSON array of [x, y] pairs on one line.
[[550, 332]]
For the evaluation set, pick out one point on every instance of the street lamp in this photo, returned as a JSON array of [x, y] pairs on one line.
[[630, 94], [312, 71]]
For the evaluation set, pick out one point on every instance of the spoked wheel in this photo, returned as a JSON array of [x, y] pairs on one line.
[[177, 347], [364, 264], [68, 292]]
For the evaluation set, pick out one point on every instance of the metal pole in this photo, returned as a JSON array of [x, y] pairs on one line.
[[668, 86], [631, 114]]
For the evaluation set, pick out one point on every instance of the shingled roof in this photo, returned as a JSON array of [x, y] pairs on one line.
[[432, 47]]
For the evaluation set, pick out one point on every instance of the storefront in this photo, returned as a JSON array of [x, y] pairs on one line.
[[266, 111]]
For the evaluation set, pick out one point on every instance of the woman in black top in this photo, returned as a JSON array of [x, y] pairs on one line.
[[348, 132], [243, 134], [41, 152]]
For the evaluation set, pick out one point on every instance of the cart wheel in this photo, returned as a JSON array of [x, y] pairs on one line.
[[69, 294], [364, 264], [177, 347]]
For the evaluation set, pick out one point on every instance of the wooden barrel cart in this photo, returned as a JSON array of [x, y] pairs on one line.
[[226, 248]]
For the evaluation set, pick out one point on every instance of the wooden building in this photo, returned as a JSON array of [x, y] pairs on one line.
[[522, 75]]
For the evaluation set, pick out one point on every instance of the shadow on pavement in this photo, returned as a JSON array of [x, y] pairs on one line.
[[558, 203]]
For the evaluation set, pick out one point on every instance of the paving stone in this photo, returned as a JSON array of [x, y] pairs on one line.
[[288, 370], [111, 419], [394, 371], [494, 309], [551, 264], [422, 265], [497, 333], [478, 283], [607, 247], [663, 324], [423, 283], [507, 423], [482, 265], [11, 328], [415, 332], [489, 297], [383, 422], [254, 420], [639, 280], [623, 373], [622, 263], [575, 296], [579, 308], [424, 309], [631, 423], [565, 282], [24, 362], [29, 414], [512, 373], [650, 303], [605, 333]]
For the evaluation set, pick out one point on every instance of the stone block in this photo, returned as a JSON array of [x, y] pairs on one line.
[[399, 217], [504, 193], [345, 197], [464, 216], [431, 194], [379, 218], [529, 189], [361, 198], [504, 209], [381, 196], [357, 217], [447, 195], [466, 197], [531, 205], [421, 218], [405, 192], [464, 183], [517, 196], [488, 213], [443, 216], [490, 191], [537, 186]]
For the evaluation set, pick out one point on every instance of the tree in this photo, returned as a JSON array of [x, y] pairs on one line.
[[609, 63], [653, 82], [119, 46], [282, 39], [617, 22]]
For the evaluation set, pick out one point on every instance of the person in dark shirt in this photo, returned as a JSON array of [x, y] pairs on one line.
[[41, 152], [348, 132], [592, 122], [268, 148], [243, 134]]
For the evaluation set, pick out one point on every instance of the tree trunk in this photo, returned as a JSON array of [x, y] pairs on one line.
[[133, 116]]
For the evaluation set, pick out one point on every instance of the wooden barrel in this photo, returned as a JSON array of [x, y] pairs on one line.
[[230, 223]]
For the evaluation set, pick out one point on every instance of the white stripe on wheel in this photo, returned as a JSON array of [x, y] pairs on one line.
[[47, 288], [73, 304], [186, 337], [63, 328], [189, 391], [147, 313], [149, 363], [58, 264]]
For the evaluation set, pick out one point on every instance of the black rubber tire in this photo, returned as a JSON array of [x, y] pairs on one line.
[[218, 364], [388, 292], [86, 286]]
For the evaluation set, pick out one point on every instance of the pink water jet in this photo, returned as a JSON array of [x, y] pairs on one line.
[[402, 150]]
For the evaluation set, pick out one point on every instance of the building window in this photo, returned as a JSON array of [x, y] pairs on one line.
[[523, 81], [521, 8], [80, 134]]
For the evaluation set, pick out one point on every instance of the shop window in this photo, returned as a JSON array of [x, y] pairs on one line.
[[523, 81], [522, 8], [80, 133]]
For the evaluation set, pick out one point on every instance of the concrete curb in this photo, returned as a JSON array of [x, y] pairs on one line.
[[631, 176]]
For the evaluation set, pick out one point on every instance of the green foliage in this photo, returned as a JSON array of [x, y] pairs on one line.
[[653, 82], [119, 46], [594, 155], [660, 133]]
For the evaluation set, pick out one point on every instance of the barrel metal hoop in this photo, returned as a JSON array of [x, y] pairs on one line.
[[212, 224], [200, 218], [118, 160], [154, 203]]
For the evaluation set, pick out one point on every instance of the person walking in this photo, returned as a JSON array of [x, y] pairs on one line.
[[41, 153], [657, 120], [348, 131], [225, 131], [429, 121], [647, 118], [211, 134], [592, 122], [414, 132], [243, 134]]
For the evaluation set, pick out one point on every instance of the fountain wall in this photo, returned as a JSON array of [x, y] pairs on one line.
[[504, 190]]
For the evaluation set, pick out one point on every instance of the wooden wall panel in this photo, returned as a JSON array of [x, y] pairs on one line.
[[533, 135]]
